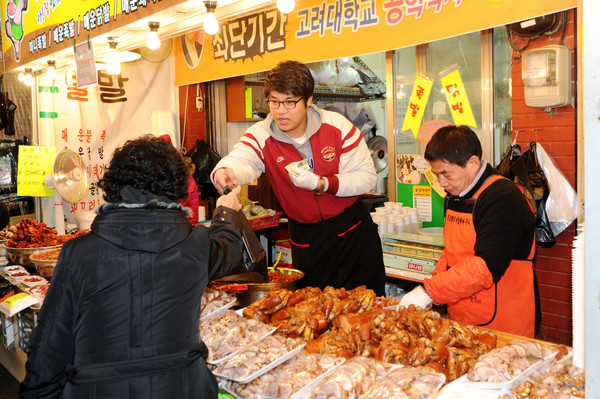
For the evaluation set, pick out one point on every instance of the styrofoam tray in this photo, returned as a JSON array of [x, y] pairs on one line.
[[266, 368], [36, 280], [300, 394], [211, 360], [510, 383], [218, 310]]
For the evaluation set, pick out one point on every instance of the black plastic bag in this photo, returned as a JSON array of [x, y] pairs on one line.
[[525, 170], [255, 258], [204, 160]]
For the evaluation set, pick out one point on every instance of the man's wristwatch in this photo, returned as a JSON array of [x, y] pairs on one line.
[[320, 186]]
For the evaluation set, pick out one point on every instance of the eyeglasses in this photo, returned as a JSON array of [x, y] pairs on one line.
[[288, 104]]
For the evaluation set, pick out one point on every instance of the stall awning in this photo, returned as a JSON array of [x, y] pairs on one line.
[[318, 30]]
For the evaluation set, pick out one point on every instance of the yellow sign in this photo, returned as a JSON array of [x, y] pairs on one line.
[[34, 163], [421, 191], [320, 30], [37, 29], [417, 104], [457, 99]]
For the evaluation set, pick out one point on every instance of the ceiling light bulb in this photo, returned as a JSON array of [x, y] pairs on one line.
[[28, 80], [51, 73], [211, 25], [113, 65], [153, 42], [21, 77], [285, 6]]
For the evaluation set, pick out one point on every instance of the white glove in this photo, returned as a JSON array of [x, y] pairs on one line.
[[418, 297], [304, 179], [420, 163]]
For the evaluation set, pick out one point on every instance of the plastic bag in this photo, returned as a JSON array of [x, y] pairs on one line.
[[563, 204], [525, 170], [255, 258]]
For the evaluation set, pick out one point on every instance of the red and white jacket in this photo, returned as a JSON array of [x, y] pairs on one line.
[[337, 148]]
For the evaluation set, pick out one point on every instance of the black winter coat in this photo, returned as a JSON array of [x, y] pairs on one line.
[[120, 319]]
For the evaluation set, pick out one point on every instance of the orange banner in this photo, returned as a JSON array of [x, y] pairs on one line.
[[319, 30]]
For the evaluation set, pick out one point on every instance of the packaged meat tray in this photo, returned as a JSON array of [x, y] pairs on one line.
[[352, 379], [214, 302], [259, 357], [407, 382], [228, 332], [292, 379]]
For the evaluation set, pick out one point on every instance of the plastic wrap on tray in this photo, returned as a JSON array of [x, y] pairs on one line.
[[562, 381], [228, 332], [507, 365], [258, 357], [214, 301], [407, 382], [291, 379], [352, 379]]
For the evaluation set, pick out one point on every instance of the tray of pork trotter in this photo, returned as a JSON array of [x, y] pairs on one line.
[[338, 343]]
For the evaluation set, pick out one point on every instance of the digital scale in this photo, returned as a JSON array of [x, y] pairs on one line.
[[412, 256]]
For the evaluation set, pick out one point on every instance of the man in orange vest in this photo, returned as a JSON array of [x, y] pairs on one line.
[[485, 273]]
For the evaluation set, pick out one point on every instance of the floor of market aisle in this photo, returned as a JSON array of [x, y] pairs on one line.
[[9, 386]]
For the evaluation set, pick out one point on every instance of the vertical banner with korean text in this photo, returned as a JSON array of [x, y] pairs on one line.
[[417, 104], [94, 121], [457, 99]]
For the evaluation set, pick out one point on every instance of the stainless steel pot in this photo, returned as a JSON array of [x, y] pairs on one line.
[[256, 291], [20, 256]]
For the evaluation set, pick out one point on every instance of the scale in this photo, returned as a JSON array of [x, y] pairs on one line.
[[411, 256]]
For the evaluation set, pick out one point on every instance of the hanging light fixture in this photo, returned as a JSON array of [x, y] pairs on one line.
[[153, 42], [51, 73], [113, 64], [285, 6], [26, 77], [211, 25]]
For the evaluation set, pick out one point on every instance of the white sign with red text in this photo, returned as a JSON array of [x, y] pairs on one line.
[[94, 120]]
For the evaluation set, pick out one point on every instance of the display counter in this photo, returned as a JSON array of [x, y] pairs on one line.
[[370, 317]]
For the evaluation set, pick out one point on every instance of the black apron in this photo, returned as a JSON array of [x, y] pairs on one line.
[[342, 251]]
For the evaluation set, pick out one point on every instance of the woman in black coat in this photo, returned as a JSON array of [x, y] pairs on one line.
[[120, 319]]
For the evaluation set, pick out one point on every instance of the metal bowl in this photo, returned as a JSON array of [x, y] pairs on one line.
[[44, 267], [256, 291], [20, 256]]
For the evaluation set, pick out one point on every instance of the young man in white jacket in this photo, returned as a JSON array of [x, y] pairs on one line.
[[318, 165]]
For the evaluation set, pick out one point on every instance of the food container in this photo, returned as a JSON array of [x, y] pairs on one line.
[[256, 291], [21, 255], [45, 261]]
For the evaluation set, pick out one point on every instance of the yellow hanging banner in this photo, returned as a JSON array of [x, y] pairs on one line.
[[457, 99], [34, 163], [416, 107]]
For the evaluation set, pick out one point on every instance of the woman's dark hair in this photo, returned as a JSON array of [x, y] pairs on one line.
[[453, 144], [147, 163], [290, 77]]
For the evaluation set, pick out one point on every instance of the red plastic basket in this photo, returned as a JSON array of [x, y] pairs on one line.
[[264, 221]]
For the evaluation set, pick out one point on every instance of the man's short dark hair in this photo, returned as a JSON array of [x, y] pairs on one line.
[[453, 144], [290, 77], [147, 163]]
